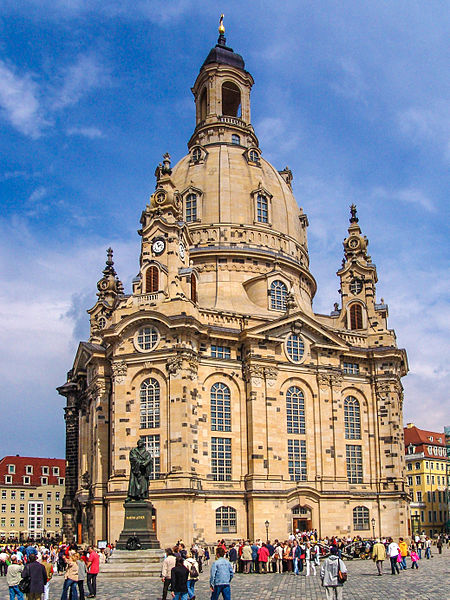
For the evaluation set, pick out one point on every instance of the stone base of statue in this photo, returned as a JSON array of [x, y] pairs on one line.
[[137, 532]]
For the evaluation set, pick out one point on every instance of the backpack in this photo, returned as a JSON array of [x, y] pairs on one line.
[[193, 571]]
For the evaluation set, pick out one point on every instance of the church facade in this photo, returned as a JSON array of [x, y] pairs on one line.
[[254, 408]]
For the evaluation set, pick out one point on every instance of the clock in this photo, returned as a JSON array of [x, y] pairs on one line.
[[353, 243], [160, 197], [158, 246], [356, 285], [181, 251]]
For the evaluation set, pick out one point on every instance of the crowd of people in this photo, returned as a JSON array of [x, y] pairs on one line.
[[30, 568]]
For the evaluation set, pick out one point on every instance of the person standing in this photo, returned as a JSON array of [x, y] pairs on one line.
[[329, 575], [49, 572], [414, 559], [393, 552], [81, 576], [93, 567], [38, 577], [192, 566], [379, 555], [263, 558], [427, 547], [220, 577], [179, 579], [439, 544], [233, 556], [70, 578], [166, 571], [246, 557], [13, 576], [403, 552]]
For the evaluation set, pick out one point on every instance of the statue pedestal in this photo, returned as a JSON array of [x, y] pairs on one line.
[[138, 523]]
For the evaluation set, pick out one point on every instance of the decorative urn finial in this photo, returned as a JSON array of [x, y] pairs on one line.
[[353, 218], [222, 40]]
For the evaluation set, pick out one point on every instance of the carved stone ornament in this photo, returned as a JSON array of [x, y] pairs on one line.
[[186, 360], [119, 370], [254, 374], [271, 374], [323, 380], [174, 365], [336, 380], [85, 480]]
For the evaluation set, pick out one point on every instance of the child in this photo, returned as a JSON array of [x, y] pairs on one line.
[[414, 559]]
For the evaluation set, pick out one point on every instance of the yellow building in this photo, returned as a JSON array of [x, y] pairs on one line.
[[31, 494], [253, 406], [427, 478]]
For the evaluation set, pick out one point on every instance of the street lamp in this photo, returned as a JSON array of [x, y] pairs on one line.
[[267, 530], [373, 527]]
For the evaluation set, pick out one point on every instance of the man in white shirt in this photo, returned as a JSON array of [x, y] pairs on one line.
[[393, 551]]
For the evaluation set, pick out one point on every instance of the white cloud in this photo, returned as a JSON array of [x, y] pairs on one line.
[[349, 80], [430, 124], [38, 194], [90, 132], [79, 79], [407, 196], [20, 102]]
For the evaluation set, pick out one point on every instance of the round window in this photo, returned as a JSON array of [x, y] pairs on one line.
[[147, 339], [295, 347]]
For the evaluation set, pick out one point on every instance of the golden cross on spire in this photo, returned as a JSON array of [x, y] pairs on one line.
[[221, 25]]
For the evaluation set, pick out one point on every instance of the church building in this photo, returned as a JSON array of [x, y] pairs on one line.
[[261, 416]]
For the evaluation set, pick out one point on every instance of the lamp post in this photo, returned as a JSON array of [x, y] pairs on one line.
[[373, 527], [267, 530]]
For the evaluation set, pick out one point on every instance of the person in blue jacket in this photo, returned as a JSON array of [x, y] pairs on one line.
[[221, 576]]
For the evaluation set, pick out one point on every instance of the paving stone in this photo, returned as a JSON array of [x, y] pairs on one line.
[[430, 582]]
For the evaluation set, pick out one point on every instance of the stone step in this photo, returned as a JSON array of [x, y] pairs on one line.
[[133, 563]]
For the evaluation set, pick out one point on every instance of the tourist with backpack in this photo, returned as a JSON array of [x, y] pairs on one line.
[[333, 574], [192, 565]]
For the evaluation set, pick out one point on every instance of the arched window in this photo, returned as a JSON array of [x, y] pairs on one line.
[[220, 407], [356, 320], [149, 396], [191, 208], [295, 410], [193, 288], [278, 294], [226, 519], [352, 419], [196, 154], [203, 104], [231, 99], [253, 156], [235, 139], [152, 280], [360, 518], [262, 209]]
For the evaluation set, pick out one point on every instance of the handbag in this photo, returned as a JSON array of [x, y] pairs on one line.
[[25, 584], [342, 577]]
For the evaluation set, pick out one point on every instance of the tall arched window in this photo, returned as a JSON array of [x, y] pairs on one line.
[[360, 518], [278, 294], [231, 99], [193, 288], [356, 318], [220, 407], [149, 397], [262, 209], [226, 519], [203, 104], [151, 280], [295, 410], [352, 419], [191, 208]]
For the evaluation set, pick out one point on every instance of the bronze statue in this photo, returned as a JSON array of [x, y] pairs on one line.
[[140, 467]]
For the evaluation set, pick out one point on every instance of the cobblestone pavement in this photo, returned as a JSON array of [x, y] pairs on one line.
[[430, 582]]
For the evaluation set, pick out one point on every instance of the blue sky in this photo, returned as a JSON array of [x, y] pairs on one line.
[[353, 97]]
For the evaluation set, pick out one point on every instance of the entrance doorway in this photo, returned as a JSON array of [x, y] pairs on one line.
[[301, 519]]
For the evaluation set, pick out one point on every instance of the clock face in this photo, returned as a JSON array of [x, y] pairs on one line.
[[160, 197], [181, 251], [353, 243], [356, 285], [158, 246]]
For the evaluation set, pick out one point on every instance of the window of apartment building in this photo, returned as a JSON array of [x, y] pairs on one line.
[[432, 479], [22, 495], [295, 410], [40, 495], [297, 460], [220, 397], [61, 481], [48, 522], [35, 512], [22, 508], [57, 506], [418, 479], [429, 516], [220, 351], [8, 479], [417, 466], [12, 522], [12, 508], [13, 494], [419, 496], [55, 471], [3, 508], [44, 480], [221, 459], [152, 445], [428, 479], [45, 470], [11, 469], [49, 496], [29, 469], [354, 464], [26, 480], [3, 522], [410, 480], [431, 465], [351, 368], [409, 466], [226, 519], [56, 522], [49, 509], [22, 522], [427, 465], [4, 494], [57, 496]]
